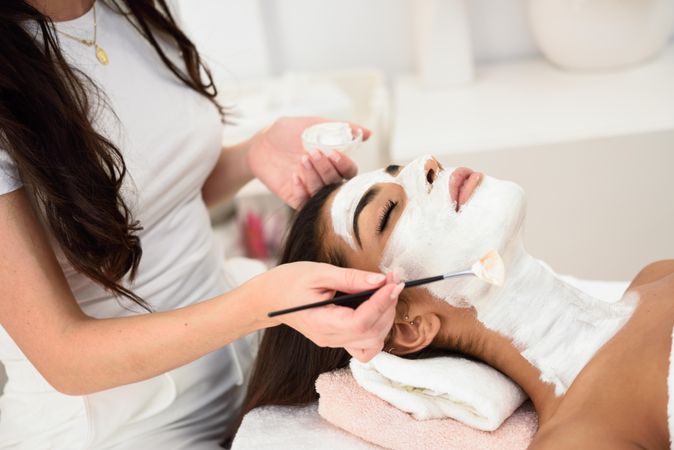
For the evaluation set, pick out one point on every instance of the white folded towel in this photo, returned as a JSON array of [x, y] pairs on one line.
[[470, 392]]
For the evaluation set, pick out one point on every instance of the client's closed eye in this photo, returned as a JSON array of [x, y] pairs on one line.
[[385, 215]]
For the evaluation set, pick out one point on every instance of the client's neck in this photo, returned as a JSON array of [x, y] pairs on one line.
[[540, 331]]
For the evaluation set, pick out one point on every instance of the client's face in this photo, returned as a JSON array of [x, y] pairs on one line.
[[423, 220]]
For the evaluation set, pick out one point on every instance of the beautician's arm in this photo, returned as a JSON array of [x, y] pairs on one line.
[[78, 354], [231, 173]]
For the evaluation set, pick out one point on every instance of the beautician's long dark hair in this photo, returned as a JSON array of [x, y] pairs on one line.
[[288, 363], [75, 173]]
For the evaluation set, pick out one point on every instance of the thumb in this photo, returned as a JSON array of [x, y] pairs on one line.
[[352, 280]]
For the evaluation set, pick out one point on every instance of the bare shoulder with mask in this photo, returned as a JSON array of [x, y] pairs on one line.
[[620, 399]]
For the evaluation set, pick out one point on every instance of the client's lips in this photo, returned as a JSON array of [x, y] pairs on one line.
[[462, 184]]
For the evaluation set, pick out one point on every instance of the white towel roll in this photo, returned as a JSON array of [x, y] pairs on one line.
[[470, 392]]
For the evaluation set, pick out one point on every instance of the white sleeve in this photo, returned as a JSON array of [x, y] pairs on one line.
[[9, 175]]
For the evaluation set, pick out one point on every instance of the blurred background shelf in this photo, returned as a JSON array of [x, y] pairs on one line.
[[528, 103]]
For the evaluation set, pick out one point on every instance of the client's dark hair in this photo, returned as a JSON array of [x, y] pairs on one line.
[[288, 363]]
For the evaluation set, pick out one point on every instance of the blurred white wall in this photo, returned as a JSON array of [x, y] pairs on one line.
[[230, 35], [316, 35], [256, 38]]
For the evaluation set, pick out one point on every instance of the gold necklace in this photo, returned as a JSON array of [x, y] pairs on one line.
[[101, 55]]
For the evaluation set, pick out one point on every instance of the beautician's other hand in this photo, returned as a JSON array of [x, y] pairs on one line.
[[361, 331], [278, 158]]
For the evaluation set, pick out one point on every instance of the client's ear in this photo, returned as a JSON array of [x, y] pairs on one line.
[[411, 334]]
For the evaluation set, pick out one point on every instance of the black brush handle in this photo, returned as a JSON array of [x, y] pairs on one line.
[[350, 300]]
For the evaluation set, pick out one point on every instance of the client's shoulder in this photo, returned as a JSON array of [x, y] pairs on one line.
[[655, 271], [581, 433]]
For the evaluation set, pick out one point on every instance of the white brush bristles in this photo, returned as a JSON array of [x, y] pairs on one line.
[[490, 268]]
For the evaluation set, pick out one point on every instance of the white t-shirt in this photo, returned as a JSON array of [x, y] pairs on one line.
[[170, 138]]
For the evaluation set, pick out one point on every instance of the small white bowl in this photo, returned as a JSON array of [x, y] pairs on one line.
[[329, 136]]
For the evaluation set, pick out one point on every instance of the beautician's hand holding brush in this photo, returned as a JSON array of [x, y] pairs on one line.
[[361, 331], [489, 268]]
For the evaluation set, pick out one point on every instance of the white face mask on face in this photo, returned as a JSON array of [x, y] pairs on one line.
[[554, 326], [347, 198], [431, 238]]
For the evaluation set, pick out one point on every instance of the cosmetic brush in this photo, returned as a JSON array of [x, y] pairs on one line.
[[489, 268]]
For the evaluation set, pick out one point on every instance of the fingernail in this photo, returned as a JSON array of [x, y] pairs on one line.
[[375, 278], [334, 155], [305, 162], [316, 155], [396, 277], [296, 179], [396, 290]]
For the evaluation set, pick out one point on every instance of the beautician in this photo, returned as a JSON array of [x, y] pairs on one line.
[[109, 150]]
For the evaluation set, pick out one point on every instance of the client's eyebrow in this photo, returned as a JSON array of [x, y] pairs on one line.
[[392, 170], [364, 201]]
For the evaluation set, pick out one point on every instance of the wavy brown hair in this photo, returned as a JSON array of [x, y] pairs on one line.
[[75, 173]]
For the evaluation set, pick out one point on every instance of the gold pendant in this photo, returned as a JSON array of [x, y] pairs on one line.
[[102, 56]]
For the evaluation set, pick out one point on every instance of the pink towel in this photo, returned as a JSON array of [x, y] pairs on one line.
[[347, 405]]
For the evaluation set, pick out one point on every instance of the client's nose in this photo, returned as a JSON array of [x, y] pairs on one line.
[[431, 169]]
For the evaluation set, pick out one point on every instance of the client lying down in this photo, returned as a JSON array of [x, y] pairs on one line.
[[596, 372]]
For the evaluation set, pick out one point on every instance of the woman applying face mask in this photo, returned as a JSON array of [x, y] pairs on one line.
[[119, 326], [595, 372]]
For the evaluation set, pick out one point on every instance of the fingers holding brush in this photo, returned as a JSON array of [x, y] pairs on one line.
[[376, 317], [378, 309], [362, 330]]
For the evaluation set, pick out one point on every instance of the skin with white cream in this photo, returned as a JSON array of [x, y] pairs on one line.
[[557, 328], [347, 199]]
